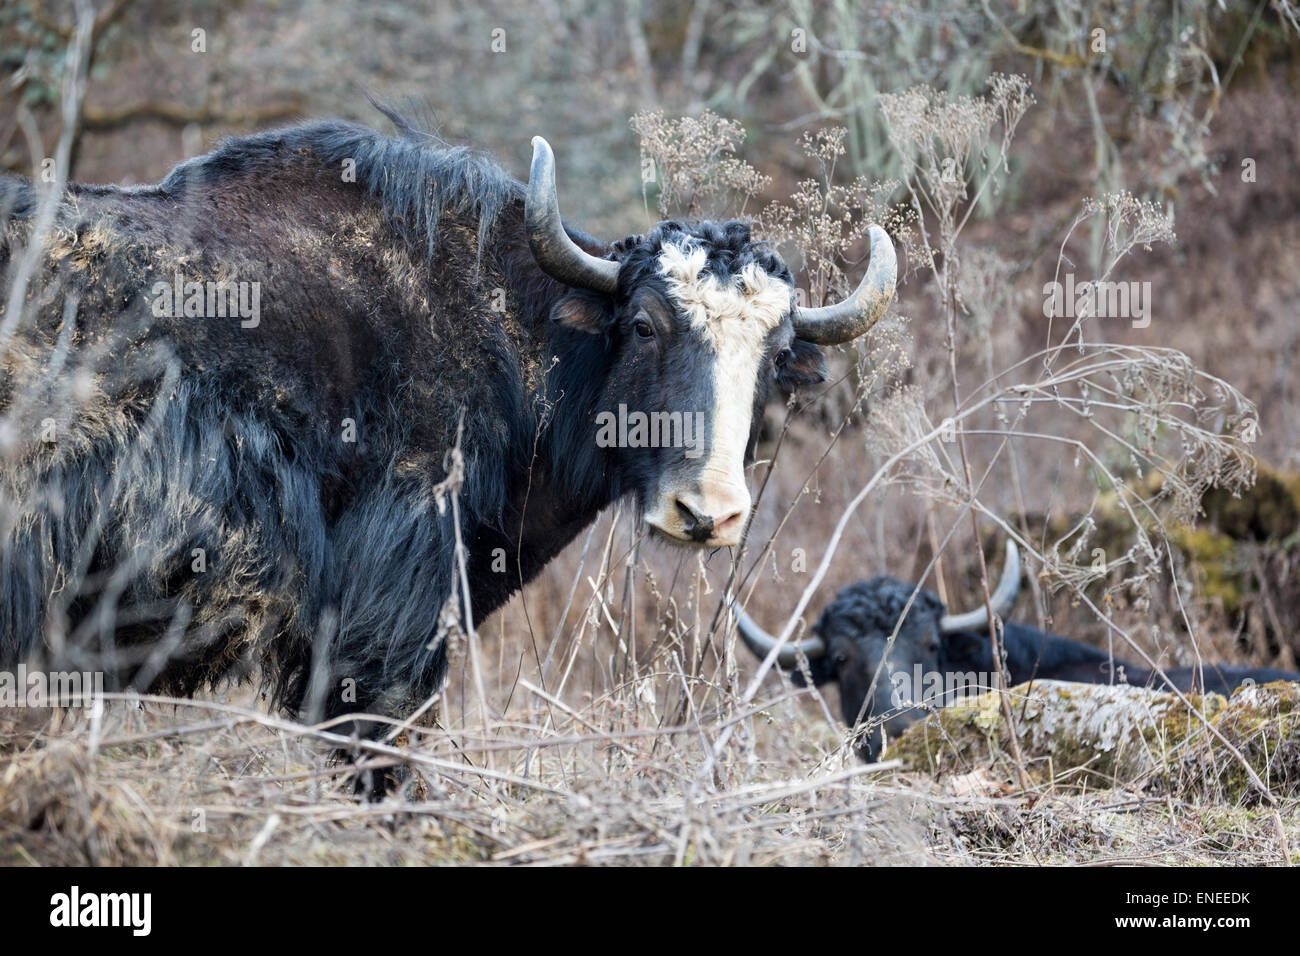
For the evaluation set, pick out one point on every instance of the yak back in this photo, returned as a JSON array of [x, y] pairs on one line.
[[1030, 654], [398, 308]]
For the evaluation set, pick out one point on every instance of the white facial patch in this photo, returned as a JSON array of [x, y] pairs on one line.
[[734, 318], [752, 303]]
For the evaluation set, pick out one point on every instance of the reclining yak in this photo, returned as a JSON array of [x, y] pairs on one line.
[[249, 415], [938, 656]]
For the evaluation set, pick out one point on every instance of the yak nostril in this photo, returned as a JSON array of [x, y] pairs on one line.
[[695, 525], [731, 522]]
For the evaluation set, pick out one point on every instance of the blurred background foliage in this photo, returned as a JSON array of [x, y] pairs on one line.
[[1141, 81]]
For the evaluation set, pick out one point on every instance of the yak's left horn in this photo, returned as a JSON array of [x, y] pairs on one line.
[[761, 642], [845, 321], [1003, 599], [557, 254]]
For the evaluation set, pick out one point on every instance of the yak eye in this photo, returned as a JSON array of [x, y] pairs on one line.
[[784, 356], [644, 327], [841, 659]]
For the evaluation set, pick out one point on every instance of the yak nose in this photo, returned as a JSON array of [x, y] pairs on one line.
[[719, 516]]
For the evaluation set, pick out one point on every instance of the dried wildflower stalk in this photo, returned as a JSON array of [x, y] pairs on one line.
[[693, 162]]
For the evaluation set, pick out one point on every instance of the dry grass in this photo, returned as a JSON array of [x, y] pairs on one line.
[[214, 783]]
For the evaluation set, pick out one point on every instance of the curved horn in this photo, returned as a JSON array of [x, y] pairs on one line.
[[761, 642], [557, 254], [845, 321], [1003, 599]]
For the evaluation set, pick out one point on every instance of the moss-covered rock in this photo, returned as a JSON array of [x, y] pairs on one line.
[[1268, 511], [1105, 734], [1222, 548], [1217, 564]]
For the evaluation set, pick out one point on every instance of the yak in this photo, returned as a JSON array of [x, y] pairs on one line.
[[936, 656], [321, 388]]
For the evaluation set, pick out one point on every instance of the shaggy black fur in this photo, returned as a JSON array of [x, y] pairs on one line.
[[212, 496]]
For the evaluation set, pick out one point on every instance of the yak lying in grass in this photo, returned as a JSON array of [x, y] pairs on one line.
[[937, 656], [247, 414]]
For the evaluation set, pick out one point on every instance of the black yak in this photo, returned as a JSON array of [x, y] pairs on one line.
[[937, 656], [244, 408]]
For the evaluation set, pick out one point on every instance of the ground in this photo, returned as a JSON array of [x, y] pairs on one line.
[[213, 782]]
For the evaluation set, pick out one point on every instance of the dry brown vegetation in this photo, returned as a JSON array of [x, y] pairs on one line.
[[622, 722]]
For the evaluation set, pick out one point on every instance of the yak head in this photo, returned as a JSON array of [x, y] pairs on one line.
[[883, 642], [699, 322]]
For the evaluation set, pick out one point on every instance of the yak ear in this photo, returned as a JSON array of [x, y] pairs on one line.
[[804, 366], [582, 309], [581, 312]]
